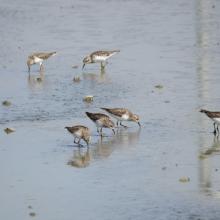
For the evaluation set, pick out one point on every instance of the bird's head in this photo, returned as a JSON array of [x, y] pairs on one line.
[[86, 60]]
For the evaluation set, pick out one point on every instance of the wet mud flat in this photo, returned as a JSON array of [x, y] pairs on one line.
[[166, 71]]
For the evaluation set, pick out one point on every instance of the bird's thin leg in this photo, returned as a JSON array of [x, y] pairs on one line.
[[78, 141], [97, 129], [102, 66], [123, 125], [113, 131], [214, 129], [217, 129], [101, 132], [117, 123], [74, 140]]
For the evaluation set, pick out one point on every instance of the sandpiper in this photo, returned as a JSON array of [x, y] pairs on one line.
[[38, 58], [101, 121], [99, 57], [80, 132], [122, 114], [215, 116]]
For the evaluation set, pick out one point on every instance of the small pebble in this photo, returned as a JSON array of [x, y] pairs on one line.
[[39, 79], [76, 79], [88, 98], [32, 214], [158, 87], [6, 103], [9, 130], [184, 179], [75, 66]]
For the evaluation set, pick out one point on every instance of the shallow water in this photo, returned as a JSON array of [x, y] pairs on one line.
[[134, 174]]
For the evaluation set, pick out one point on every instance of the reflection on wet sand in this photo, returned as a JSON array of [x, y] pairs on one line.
[[80, 158], [36, 81], [97, 77], [104, 147], [206, 169]]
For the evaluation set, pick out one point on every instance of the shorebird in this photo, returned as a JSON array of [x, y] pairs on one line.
[[215, 116], [99, 57], [38, 58], [122, 114], [80, 132], [101, 121]]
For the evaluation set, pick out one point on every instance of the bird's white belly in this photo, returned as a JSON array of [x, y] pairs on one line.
[[217, 120], [100, 58], [99, 123], [124, 117], [77, 134], [38, 60]]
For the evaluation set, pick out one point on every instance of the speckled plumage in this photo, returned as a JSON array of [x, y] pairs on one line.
[[99, 57], [38, 57], [215, 116], [80, 132], [122, 114], [101, 121]]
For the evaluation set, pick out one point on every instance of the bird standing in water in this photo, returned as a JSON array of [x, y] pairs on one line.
[[101, 121], [122, 114], [80, 132], [99, 57], [38, 58]]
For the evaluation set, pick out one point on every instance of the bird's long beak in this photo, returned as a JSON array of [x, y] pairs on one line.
[[113, 130], [139, 124], [83, 66]]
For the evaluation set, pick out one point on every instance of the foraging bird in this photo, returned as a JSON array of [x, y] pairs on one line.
[[38, 58], [80, 132], [215, 116], [99, 57], [122, 114], [101, 121]]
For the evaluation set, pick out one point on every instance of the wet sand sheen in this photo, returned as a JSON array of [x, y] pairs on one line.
[[134, 174]]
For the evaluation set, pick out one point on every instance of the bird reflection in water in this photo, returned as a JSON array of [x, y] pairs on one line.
[[36, 81], [206, 169], [97, 77], [80, 158], [104, 147]]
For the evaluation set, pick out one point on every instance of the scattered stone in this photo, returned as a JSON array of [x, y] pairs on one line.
[[167, 101], [75, 66], [32, 214], [184, 179], [30, 207], [9, 130], [39, 79], [6, 103], [76, 79], [202, 156], [88, 98], [164, 168], [216, 170], [158, 86]]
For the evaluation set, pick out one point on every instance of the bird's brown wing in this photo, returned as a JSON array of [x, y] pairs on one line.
[[96, 116], [116, 111], [42, 55], [213, 114]]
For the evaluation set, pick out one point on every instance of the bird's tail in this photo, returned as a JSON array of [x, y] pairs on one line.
[[115, 51], [105, 109], [89, 114], [53, 53]]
